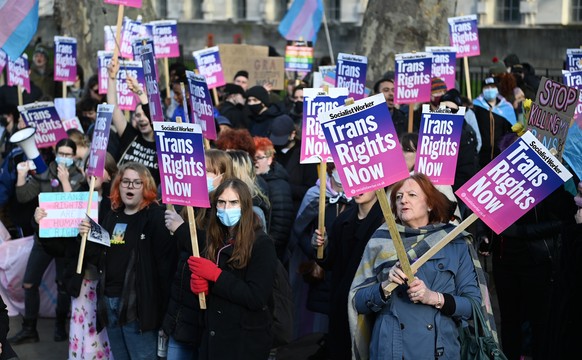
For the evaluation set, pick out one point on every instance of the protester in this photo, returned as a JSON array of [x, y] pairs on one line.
[[237, 275], [236, 139], [137, 268], [41, 73], [386, 87], [413, 321], [87, 113], [241, 78], [263, 113], [437, 89], [92, 90], [295, 106], [181, 99], [83, 146], [233, 106]]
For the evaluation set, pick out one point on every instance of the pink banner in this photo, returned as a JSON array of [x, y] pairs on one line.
[[65, 68], [18, 72], [464, 35], [209, 64], [44, 117], [130, 3]]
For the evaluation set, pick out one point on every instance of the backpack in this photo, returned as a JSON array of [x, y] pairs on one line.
[[281, 306]]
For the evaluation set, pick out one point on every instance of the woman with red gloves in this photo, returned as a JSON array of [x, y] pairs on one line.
[[237, 275]]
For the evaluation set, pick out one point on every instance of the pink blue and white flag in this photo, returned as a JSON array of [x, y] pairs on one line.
[[65, 210], [444, 63], [351, 74], [202, 109], [209, 64], [65, 59], [18, 72], [412, 76], [3, 60], [98, 151], [44, 117], [150, 71], [464, 35], [328, 75], [302, 21], [165, 34], [19, 23]]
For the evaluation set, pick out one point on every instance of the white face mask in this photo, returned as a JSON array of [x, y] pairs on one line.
[[335, 176]]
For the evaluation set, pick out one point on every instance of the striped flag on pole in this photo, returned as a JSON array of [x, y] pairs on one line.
[[303, 20], [19, 22]]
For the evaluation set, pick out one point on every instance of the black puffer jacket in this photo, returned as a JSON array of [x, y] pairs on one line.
[[260, 125]]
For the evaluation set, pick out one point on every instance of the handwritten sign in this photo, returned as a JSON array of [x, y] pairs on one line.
[[513, 183], [182, 164], [266, 70], [351, 74], [574, 59], [65, 68], [103, 59], [65, 211], [364, 145], [202, 109], [18, 72], [209, 65], [444, 63], [44, 117], [314, 148], [234, 57], [412, 76], [130, 3], [98, 151], [165, 34], [299, 56], [464, 35], [126, 99]]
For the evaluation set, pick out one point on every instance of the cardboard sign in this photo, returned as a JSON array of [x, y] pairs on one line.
[[17, 74], [44, 117], [98, 151], [444, 63], [351, 74], [464, 35], [513, 183], [65, 68], [314, 148], [130, 3], [412, 78], [266, 70], [233, 57], [130, 31], [150, 71], [299, 56], [165, 34], [98, 234], [65, 211], [209, 64], [551, 114], [182, 164], [364, 145], [126, 99], [574, 60], [109, 32], [3, 60], [202, 109], [438, 145], [103, 59]]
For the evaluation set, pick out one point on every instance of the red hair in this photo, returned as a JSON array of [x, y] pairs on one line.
[[236, 139], [264, 144], [149, 188]]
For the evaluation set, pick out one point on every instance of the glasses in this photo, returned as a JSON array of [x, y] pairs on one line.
[[68, 155], [258, 158], [136, 184]]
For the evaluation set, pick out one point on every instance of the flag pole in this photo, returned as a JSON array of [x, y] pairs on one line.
[[327, 35]]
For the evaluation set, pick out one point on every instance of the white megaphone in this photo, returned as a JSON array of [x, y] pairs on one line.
[[25, 139]]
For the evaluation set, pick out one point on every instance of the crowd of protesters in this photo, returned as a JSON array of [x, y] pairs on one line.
[[147, 285]]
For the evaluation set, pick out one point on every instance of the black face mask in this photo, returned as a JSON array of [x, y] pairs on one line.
[[256, 108], [279, 148], [298, 107]]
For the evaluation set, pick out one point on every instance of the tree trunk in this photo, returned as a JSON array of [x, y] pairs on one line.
[[392, 27], [85, 21]]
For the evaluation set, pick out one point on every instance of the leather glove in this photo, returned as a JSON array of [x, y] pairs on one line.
[[204, 268]]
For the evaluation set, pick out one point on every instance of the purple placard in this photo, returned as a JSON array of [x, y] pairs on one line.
[[364, 145], [3, 60], [444, 63], [412, 77], [438, 145], [202, 109], [182, 164], [130, 3], [165, 34], [137, 45], [65, 59], [574, 59], [130, 31], [574, 79], [98, 151], [351, 74], [513, 183], [314, 148], [126, 99], [18, 72], [150, 71], [103, 59], [209, 64], [109, 32], [464, 35], [44, 117]]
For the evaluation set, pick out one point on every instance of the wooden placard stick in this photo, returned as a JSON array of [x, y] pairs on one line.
[[467, 79], [410, 116], [215, 96], [120, 11], [20, 100], [322, 169], [195, 250], [84, 237], [167, 78], [437, 247], [64, 89]]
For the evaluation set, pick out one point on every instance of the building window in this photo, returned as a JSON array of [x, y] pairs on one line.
[[281, 9], [576, 11], [508, 11], [197, 10], [241, 9], [332, 9]]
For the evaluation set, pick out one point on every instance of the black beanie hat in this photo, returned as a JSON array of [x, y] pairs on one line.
[[260, 93], [453, 96], [241, 73]]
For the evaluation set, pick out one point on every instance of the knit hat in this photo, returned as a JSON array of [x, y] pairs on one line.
[[511, 60], [437, 84], [281, 129], [453, 96], [241, 73], [41, 49], [497, 69], [260, 93], [230, 89]]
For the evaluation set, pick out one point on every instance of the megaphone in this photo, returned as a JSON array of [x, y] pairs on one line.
[[25, 139]]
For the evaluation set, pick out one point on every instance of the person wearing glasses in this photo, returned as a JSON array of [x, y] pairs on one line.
[[136, 270], [237, 274], [62, 176]]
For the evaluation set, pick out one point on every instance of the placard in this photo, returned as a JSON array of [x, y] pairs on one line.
[[444, 63], [234, 57], [17, 74], [130, 3], [150, 71], [98, 234], [209, 65], [126, 99], [130, 31], [65, 211], [109, 32], [464, 35], [202, 109], [412, 78], [44, 117], [66, 108], [266, 70], [98, 151], [574, 59], [351, 74], [328, 75], [103, 59], [65, 67], [165, 34], [299, 56]]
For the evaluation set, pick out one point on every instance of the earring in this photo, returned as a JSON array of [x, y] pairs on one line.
[[429, 209]]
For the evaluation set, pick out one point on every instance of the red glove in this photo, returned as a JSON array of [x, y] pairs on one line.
[[204, 268], [198, 285]]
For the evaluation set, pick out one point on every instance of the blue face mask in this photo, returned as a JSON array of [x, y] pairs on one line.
[[490, 93], [64, 161], [228, 217], [209, 184]]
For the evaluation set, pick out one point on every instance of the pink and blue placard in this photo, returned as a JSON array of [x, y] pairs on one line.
[[412, 76], [573, 149], [364, 145], [131, 30], [64, 212], [573, 79], [65, 68], [3, 60], [438, 144], [130, 3], [103, 59], [182, 164], [138, 44], [150, 70], [464, 35], [328, 75], [98, 151], [109, 32], [44, 117], [126, 99], [314, 148], [444, 63], [165, 34], [202, 109], [299, 56], [513, 183], [208, 64], [17, 74], [351, 74], [574, 59]]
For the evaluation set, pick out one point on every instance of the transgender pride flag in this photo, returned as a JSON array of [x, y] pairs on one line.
[[303, 20], [19, 22]]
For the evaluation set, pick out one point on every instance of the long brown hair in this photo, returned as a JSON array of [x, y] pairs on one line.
[[243, 234], [150, 192], [434, 198]]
